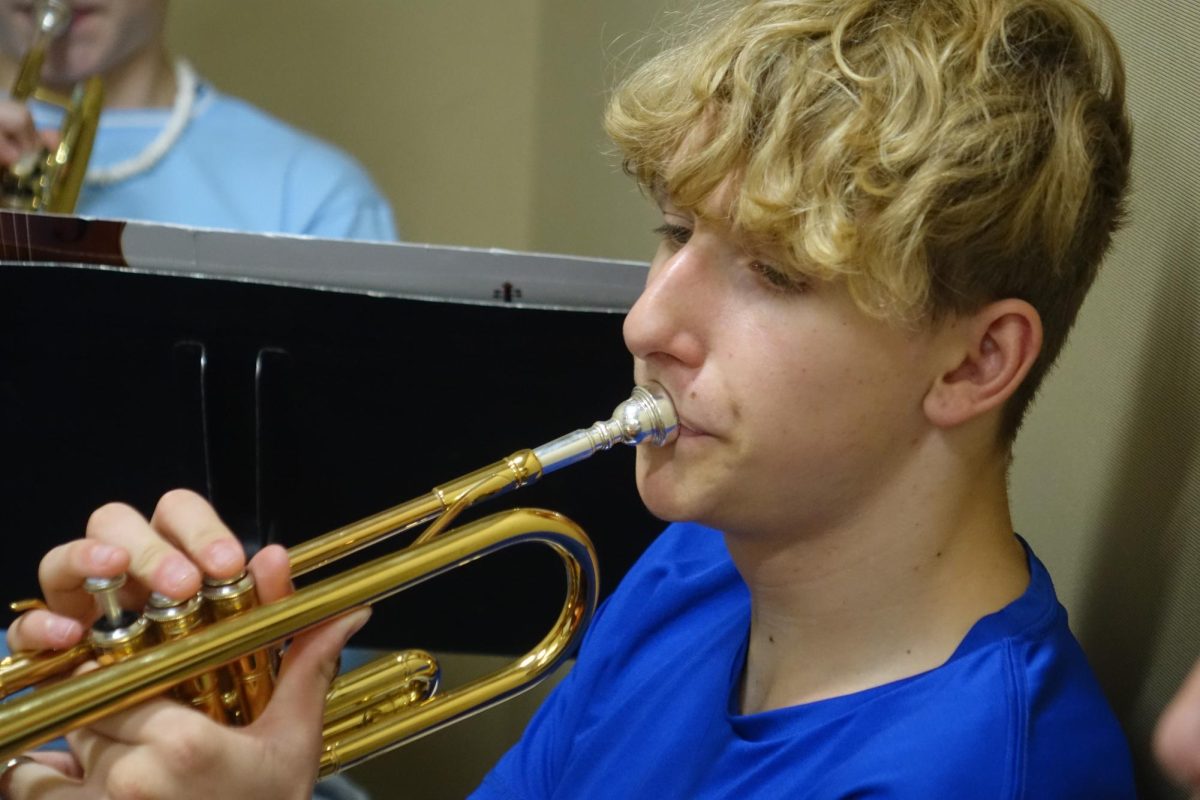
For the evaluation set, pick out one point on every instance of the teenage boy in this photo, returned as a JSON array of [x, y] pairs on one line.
[[879, 221]]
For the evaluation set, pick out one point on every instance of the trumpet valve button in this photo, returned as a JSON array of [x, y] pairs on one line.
[[105, 591]]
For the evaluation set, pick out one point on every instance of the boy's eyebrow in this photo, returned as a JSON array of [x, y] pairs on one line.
[[666, 204], [663, 197], [767, 243], [757, 240], [660, 194]]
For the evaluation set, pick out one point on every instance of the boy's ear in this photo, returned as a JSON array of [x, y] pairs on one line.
[[991, 352]]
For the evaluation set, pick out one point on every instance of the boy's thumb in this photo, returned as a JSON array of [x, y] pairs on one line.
[[310, 664]]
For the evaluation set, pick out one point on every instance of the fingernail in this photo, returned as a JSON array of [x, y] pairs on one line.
[[63, 630], [225, 557], [354, 623], [103, 556], [179, 573]]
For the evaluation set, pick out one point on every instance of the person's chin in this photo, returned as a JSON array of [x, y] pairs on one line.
[[76, 60], [666, 510], [663, 491], [66, 74]]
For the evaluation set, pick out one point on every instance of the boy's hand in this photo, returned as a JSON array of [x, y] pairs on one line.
[[169, 553], [162, 748]]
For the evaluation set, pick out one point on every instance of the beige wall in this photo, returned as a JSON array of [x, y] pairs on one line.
[[480, 120], [582, 203], [1107, 482]]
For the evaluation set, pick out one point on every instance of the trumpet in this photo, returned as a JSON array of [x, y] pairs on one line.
[[51, 180], [224, 667]]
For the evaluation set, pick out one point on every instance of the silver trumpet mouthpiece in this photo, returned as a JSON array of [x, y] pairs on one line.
[[647, 416]]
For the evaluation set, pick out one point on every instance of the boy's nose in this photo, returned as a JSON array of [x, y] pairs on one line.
[[667, 318]]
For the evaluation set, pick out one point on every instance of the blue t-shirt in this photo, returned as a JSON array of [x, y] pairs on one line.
[[233, 167], [650, 708]]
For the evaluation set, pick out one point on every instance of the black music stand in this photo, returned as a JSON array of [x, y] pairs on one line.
[[302, 384]]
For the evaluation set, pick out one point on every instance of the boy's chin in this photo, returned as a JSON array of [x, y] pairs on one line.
[[662, 496]]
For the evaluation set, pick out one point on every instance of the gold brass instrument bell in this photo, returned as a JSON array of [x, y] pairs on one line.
[[47, 180], [378, 706]]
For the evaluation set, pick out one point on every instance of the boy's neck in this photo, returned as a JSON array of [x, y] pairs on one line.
[[887, 597]]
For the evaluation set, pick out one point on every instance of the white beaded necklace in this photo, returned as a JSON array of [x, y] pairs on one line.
[[181, 111]]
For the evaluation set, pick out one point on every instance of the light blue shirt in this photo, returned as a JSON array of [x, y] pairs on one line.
[[233, 167]]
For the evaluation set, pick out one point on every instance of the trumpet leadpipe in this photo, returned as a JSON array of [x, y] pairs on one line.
[[647, 416]]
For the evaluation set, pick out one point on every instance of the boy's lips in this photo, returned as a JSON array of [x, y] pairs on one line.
[[80, 13], [687, 428]]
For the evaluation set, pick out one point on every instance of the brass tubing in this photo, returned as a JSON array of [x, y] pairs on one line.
[[68, 163], [384, 686], [648, 415], [356, 688], [393, 730], [519, 469], [28, 721], [329, 547], [51, 20], [24, 669]]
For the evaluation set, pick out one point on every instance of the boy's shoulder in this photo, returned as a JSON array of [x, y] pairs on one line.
[[1020, 717], [1016, 712]]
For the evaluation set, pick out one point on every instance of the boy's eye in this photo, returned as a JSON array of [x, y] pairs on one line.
[[675, 235], [776, 279]]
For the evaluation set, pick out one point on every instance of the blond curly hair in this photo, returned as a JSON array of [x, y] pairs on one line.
[[934, 154]]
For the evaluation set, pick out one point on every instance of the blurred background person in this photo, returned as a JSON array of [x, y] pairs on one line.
[[1177, 738], [170, 147]]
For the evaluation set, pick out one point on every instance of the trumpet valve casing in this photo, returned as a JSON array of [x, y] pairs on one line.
[[177, 619], [251, 677]]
